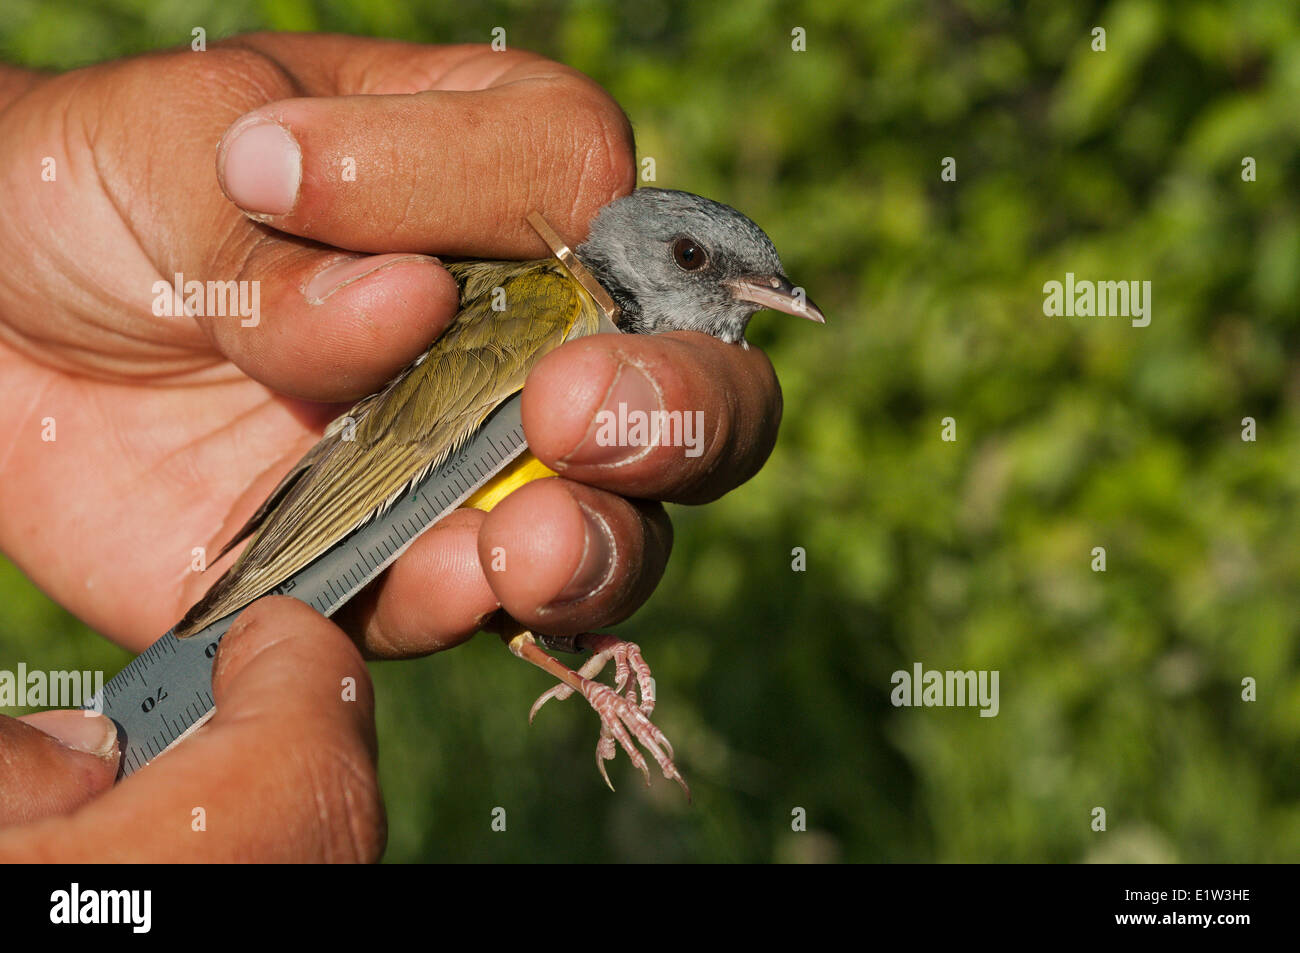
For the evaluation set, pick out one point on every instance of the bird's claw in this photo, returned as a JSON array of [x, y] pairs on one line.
[[624, 710], [627, 661]]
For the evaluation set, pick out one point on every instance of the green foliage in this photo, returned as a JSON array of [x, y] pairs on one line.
[[1119, 689]]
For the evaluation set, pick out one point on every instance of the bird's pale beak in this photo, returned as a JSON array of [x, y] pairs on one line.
[[775, 292]]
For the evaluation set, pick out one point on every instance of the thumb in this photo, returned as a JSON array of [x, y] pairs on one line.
[[54, 762], [285, 770]]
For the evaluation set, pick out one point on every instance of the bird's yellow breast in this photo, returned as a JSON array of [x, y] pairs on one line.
[[525, 469]]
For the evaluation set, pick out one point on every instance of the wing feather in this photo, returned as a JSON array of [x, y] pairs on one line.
[[408, 428]]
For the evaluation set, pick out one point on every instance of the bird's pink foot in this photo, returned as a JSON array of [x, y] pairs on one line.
[[624, 710], [604, 648]]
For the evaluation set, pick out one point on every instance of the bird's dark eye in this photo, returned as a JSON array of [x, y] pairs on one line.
[[688, 254]]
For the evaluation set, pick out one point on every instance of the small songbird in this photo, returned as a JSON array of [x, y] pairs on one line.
[[671, 261]]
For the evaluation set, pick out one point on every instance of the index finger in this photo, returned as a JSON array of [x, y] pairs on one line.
[[456, 149]]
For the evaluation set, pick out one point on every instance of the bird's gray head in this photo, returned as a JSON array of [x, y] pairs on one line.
[[674, 261]]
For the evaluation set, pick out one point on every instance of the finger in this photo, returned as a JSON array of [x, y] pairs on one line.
[[590, 406], [435, 596], [54, 762], [328, 64], [284, 772], [302, 318], [564, 558], [328, 326], [451, 172], [556, 555]]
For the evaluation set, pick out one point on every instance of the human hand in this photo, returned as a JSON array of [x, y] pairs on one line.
[[171, 430], [284, 772]]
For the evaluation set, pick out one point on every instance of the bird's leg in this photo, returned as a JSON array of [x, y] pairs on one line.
[[621, 718]]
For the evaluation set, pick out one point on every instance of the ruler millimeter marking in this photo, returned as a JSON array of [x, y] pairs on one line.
[[165, 693]]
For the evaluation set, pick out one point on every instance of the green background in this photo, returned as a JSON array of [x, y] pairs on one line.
[[1119, 689]]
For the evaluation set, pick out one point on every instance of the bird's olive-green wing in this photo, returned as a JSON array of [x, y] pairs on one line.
[[410, 427], [309, 460]]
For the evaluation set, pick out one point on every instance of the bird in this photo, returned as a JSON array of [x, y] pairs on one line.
[[671, 261]]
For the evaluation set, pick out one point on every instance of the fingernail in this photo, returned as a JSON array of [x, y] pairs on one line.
[[632, 392], [260, 166], [88, 732], [597, 562], [341, 273]]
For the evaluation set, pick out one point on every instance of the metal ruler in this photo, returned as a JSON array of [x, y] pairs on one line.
[[166, 692]]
